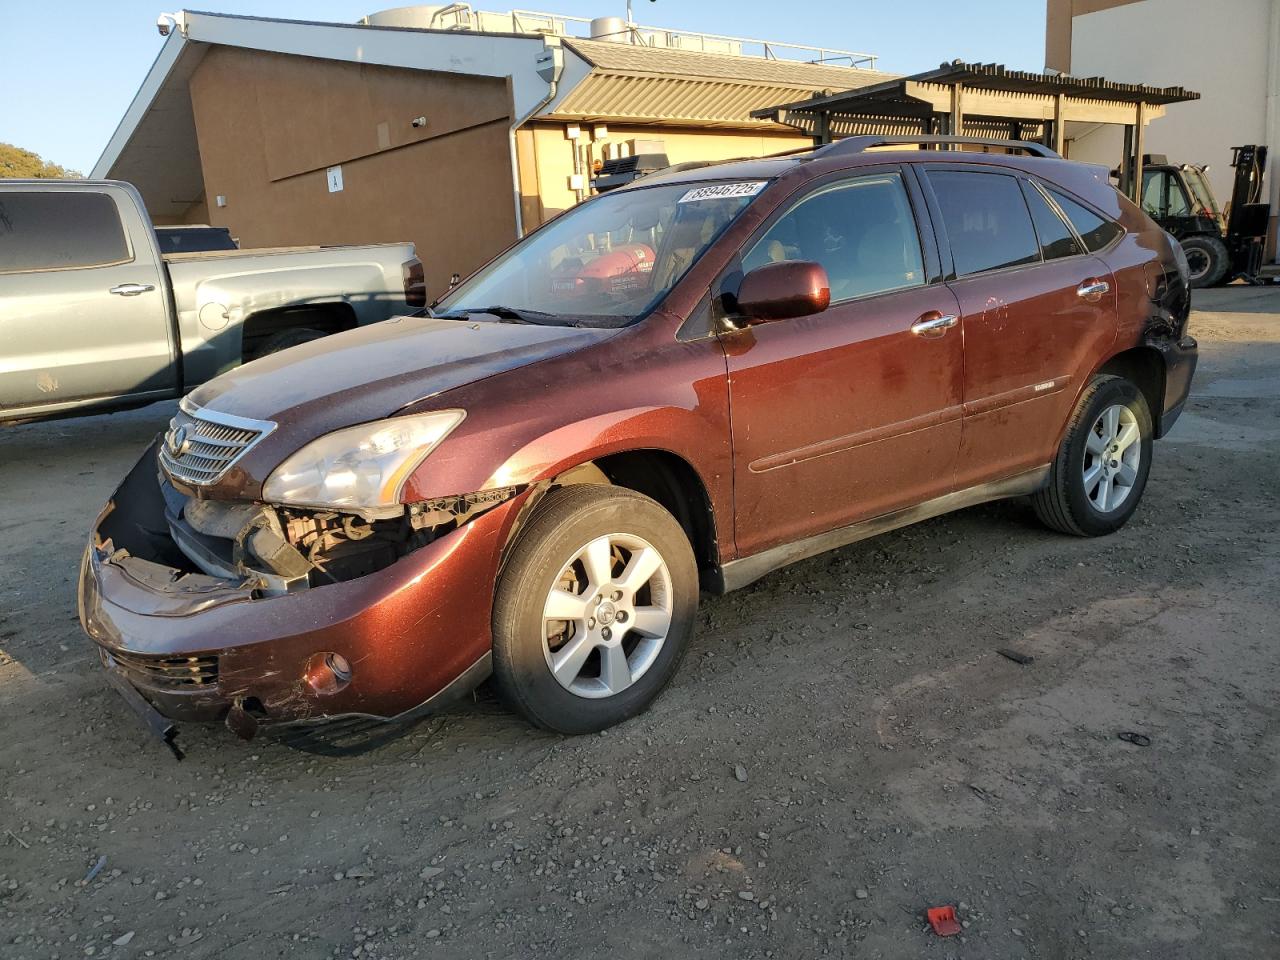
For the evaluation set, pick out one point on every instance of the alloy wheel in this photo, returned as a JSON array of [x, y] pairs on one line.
[[1112, 455], [607, 616]]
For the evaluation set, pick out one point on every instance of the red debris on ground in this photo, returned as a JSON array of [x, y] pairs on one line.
[[943, 920]]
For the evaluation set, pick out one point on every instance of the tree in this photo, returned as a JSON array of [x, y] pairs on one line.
[[16, 162]]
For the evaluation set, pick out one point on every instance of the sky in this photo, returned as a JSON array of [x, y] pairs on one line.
[[69, 68]]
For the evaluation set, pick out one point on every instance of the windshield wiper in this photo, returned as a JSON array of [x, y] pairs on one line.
[[518, 314]]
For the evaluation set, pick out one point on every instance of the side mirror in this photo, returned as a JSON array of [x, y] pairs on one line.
[[779, 291]]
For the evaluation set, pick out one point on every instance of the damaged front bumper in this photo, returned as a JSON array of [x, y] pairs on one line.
[[410, 636], [1180, 358]]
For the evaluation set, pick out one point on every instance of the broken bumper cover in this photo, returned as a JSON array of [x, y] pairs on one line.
[[414, 634], [1180, 358]]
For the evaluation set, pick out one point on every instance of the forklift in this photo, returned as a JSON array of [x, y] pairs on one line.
[[1220, 247]]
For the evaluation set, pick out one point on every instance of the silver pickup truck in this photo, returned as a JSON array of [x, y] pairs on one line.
[[93, 316]]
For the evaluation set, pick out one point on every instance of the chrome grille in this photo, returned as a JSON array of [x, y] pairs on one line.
[[202, 444], [172, 673]]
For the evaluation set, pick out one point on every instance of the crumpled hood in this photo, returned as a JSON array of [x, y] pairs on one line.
[[371, 372]]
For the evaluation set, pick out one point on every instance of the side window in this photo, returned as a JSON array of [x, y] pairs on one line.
[[1163, 196], [861, 231], [55, 230], [986, 220], [1056, 238], [1095, 231]]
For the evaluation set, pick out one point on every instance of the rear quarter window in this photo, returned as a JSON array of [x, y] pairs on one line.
[[986, 220], [1096, 231], [55, 230], [1056, 238]]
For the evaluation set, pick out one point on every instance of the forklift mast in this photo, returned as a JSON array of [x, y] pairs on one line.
[[1249, 215]]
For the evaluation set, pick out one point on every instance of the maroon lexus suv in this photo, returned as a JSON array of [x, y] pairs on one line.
[[674, 387]]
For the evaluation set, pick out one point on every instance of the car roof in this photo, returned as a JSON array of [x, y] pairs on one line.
[[770, 168], [764, 168]]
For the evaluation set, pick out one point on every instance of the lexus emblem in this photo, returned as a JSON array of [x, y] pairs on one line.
[[178, 442]]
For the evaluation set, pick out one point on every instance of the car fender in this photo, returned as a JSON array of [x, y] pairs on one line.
[[461, 466]]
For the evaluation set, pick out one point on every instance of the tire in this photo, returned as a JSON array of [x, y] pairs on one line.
[[1087, 496], [287, 338], [552, 553], [1208, 259]]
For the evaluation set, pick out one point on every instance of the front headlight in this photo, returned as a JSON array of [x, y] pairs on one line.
[[361, 469]]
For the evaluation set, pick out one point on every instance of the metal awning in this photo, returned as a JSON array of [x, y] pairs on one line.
[[980, 92], [986, 99]]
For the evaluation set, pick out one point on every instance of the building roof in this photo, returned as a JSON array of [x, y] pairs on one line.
[[632, 83], [636, 58]]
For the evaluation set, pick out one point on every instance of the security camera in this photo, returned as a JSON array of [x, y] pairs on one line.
[[165, 23]]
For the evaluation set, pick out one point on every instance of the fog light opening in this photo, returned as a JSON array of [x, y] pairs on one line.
[[327, 673]]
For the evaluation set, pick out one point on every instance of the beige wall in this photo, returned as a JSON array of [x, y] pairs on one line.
[[551, 154], [1057, 27], [197, 212], [269, 124], [1170, 42]]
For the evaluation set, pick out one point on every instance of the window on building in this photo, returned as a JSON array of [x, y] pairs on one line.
[[986, 220], [1096, 232], [1056, 238], [59, 230], [861, 231]]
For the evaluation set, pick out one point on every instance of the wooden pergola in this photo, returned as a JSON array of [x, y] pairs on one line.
[[975, 99]]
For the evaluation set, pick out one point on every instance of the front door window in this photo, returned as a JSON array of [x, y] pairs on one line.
[[861, 231]]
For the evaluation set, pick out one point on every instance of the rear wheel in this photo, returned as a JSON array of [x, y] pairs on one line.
[[594, 609], [1100, 472], [1207, 260]]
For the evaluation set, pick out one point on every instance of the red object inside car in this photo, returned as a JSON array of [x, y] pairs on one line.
[[623, 269]]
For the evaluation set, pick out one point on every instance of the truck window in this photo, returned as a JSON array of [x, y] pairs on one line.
[[986, 220], [862, 232], [194, 239], [1163, 196], [1096, 232], [1200, 187], [59, 230]]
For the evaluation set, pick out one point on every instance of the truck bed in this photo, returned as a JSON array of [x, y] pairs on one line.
[[266, 251]]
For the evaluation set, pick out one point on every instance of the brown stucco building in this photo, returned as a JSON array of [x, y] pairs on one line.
[[294, 132]]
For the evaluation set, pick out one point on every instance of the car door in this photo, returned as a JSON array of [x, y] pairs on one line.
[[1034, 304], [82, 313], [853, 412]]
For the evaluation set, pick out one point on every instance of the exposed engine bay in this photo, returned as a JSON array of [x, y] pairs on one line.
[[267, 549]]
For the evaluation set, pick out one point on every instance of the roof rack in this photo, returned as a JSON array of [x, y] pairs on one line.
[[862, 143]]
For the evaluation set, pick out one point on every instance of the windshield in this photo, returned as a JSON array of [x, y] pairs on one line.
[[1196, 181], [607, 262]]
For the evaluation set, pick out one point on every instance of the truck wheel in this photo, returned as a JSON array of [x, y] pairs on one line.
[[594, 609], [1097, 478], [1208, 259], [286, 339]]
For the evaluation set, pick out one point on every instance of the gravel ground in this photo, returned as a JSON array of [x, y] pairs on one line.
[[842, 749]]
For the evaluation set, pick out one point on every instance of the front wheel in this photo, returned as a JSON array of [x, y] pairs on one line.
[[1100, 471], [594, 609]]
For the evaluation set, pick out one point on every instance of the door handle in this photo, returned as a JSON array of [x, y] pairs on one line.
[[934, 324], [1093, 290], [131, 289]]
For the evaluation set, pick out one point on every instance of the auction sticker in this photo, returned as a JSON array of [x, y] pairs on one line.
[[722, 191]]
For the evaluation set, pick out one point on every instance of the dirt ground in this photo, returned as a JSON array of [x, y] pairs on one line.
[[842, 749]]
